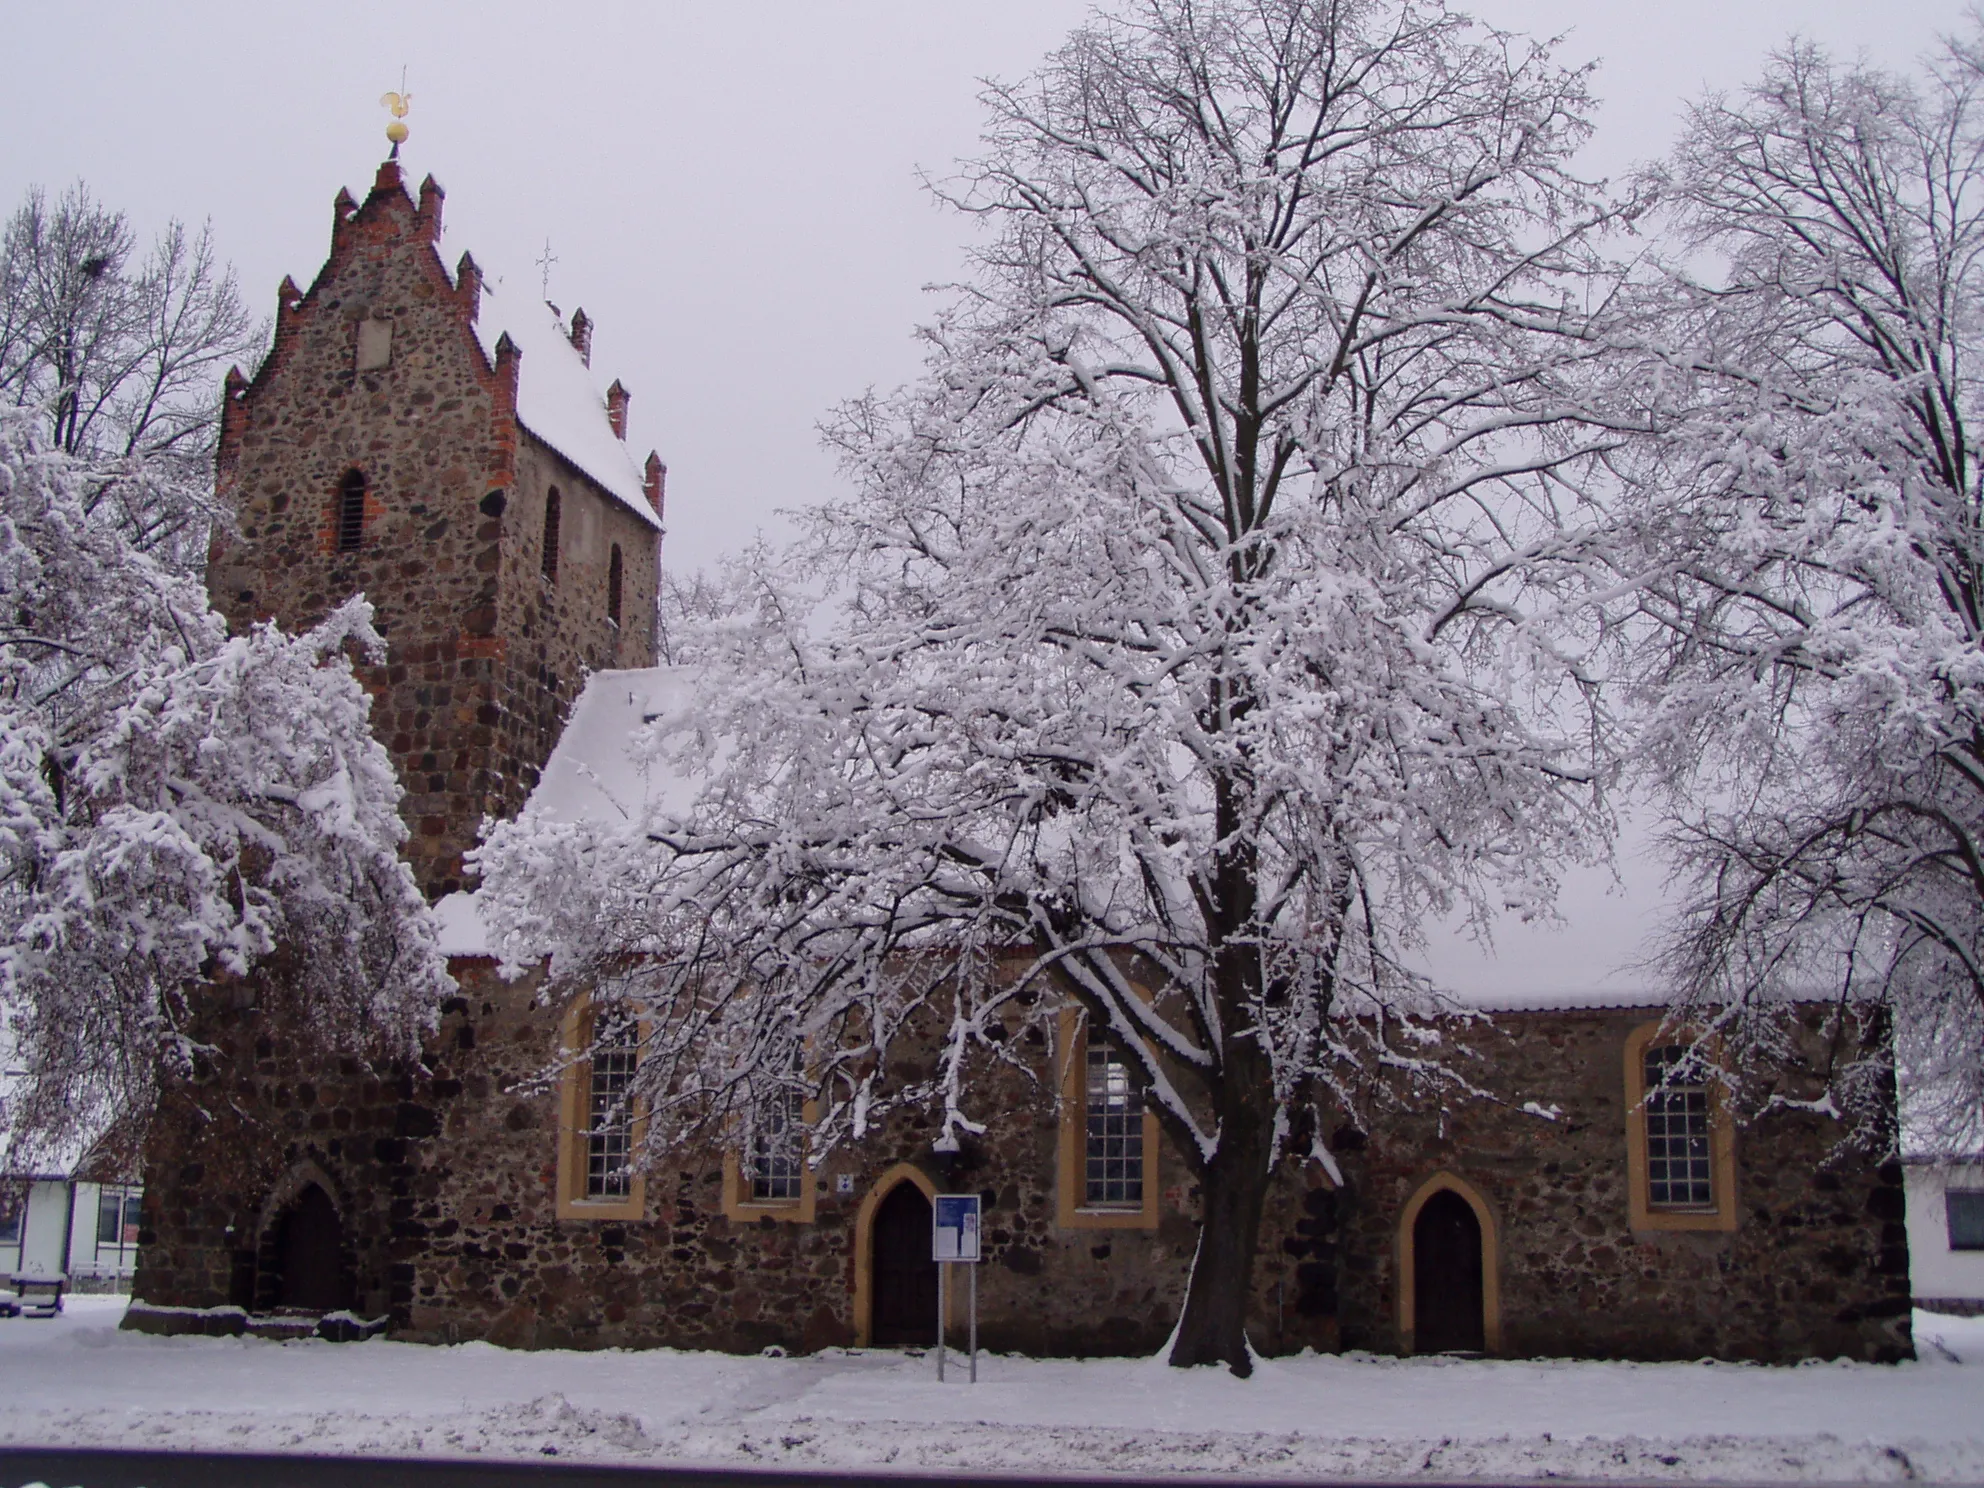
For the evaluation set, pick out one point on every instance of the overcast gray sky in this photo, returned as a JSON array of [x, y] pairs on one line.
[[730, 190]]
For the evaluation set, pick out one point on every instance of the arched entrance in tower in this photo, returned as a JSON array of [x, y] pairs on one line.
[[310, 1254], [1449, 1315], [903, 1277]]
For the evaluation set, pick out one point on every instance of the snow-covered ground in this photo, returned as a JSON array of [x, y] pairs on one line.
[[78, 1380]]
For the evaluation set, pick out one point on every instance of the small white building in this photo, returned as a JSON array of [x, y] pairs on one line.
[[73, 1215], [1946, 1234], [59, 1225]]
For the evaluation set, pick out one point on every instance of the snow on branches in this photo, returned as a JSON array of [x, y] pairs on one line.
[[1811, 519], [1215, 609], [122, 355], [177, 806]]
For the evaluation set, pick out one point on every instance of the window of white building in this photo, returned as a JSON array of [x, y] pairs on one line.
[[117, 1227], [1964, 1211]]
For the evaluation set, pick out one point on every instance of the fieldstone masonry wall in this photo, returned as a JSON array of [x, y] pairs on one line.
[[450, 1176], [556, 630], [1816, 1266]]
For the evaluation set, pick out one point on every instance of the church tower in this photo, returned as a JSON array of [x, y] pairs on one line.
[[436, 442]]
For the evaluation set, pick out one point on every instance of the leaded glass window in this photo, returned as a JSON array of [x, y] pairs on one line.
[[610, 1112], [1114, 1167], [778, 1150], [1678, 1171]]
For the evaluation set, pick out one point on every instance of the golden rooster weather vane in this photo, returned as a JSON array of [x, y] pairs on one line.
[[399, 103]]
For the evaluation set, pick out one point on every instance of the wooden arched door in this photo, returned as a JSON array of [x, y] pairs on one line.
[[311, 1251], [1448, 1311], [903, 1290]]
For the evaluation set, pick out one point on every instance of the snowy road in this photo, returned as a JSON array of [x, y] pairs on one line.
[[77, 1380], [80, 1467]]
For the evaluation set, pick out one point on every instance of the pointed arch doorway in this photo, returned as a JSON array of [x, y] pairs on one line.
[[895, 1278], [310, 1254], [1449, 1271], [1446, 1277]]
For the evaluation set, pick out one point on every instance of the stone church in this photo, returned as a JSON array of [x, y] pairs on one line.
[[439, 443]]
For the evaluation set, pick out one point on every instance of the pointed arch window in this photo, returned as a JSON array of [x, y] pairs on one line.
[[613, 577], [351, 511], [551, 515]]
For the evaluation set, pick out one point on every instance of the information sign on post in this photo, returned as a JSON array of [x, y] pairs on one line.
[[954, 1241], [957, 1227]]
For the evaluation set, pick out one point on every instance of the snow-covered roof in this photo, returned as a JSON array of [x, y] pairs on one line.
[[557, 399], [592, 775], [1557, 999]]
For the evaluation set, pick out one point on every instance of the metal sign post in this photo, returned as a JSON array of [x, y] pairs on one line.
[[953, 1242]]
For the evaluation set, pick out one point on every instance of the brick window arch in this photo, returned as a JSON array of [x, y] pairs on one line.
[[551, 514], [351, 511], [613, 575]]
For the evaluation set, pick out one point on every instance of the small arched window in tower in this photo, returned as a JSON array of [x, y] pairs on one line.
[[551, 504], [351, 511], [613, 585]]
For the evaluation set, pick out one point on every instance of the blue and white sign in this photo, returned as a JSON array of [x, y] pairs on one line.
[[954, 1236]]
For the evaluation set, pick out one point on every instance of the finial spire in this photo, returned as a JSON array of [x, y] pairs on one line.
[[544, 263], [399, 103]]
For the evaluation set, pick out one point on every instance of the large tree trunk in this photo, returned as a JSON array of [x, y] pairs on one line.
[[1234, 1187]]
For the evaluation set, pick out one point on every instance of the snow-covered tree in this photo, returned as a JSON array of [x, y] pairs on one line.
[[1816, 676], [1206, 619], [123, 356], [177, 808]]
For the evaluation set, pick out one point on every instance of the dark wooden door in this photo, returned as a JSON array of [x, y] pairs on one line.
[[903, 1296], [313, 1254], [1446, 1277]]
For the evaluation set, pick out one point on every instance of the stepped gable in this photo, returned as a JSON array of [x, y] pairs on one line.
[[437, 443]]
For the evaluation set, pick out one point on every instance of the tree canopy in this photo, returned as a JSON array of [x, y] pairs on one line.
[[1807, 529], [121, 355], [1214, 609]]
